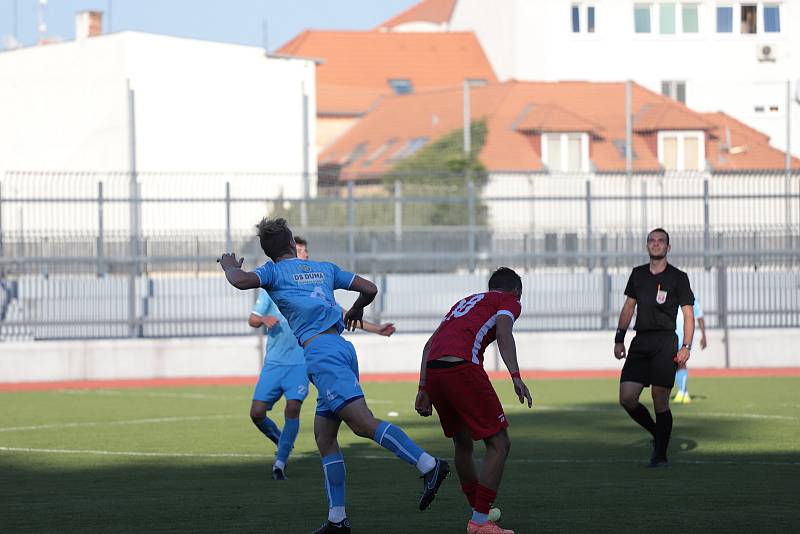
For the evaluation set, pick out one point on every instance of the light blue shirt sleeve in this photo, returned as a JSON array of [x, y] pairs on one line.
[[698, 311], [341, 279], [264, 305], [266, 274]]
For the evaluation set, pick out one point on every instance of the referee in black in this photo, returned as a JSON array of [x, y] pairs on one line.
[[654, 290]]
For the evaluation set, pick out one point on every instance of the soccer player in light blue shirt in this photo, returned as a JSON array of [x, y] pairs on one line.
[[303, 292], [284, 373], [682, 374]]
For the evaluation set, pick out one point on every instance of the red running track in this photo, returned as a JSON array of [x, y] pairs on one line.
[[376, 377]]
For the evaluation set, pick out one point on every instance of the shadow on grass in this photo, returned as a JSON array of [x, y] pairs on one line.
[[576, 468]]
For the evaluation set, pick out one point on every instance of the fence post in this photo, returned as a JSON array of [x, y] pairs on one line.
[[101, 271], [722, 307], [373, 247], [351, 223], [471, 221], [398, 215], [605, 320], [2, 248], [645, 228], [589, 247], [228, 240], [706, 225]]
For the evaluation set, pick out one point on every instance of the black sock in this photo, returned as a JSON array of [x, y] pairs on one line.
[[641, 415], [663, 432]]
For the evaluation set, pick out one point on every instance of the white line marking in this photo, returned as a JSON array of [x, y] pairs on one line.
[[156, 420], [383, 457]]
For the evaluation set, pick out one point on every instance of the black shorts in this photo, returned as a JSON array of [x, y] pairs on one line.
[[651, 359]]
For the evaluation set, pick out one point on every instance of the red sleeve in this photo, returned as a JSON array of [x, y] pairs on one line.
[[512, 305]]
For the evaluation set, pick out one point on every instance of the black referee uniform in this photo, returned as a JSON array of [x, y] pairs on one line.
[[651, 354]]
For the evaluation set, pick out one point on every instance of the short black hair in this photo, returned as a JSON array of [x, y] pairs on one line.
[[661, 230], [275, 237], [505, 279], [300, 241]]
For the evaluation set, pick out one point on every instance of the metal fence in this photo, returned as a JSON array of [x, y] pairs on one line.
[[99, 255]]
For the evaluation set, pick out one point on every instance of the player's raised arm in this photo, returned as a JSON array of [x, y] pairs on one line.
[[508, 351], [367, 290], [238, 278]]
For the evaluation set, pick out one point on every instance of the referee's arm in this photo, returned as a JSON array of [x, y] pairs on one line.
[[625, 317]]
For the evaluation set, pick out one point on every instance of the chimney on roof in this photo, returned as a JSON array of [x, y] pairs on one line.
[[88, 24]]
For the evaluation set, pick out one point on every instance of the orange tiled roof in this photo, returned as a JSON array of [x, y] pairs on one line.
[[436, 11], [736, 146], [357, 66], [513, 127]]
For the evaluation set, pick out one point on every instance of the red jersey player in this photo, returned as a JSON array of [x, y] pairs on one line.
[[452, 380]]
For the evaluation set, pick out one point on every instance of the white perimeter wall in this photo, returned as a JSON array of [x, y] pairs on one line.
[[218, 357], [533, 40]]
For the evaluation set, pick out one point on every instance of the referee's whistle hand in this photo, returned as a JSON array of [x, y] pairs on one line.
[[619, 350]]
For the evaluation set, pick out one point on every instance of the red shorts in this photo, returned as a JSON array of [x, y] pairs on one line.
[[465, 399]]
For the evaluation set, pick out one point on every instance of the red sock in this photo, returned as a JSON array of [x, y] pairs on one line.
[[469, 489], [484, 498]]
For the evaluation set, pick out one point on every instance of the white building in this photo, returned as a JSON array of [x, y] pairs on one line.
[[713, 55], [168, 108]]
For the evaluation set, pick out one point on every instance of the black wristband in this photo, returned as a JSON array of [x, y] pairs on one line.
[[620, 336]]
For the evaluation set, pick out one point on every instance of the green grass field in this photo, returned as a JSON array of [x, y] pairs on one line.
[[189, 460]]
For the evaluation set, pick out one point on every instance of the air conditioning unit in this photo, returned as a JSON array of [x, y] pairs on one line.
[[766, 52]]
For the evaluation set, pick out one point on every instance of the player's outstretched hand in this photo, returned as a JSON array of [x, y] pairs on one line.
[[228, 261], [386, 329], [619, 350], [522, 391], [423, 404], [354, 318]]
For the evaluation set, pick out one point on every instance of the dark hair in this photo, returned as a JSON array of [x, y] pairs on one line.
[[661, 230], [300, 241], [275, 237], [505, 279]]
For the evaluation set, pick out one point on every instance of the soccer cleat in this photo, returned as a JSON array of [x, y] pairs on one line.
[[686, 398], [655, 463], [679, 397], [486, 528], [431, 482], [278, 474], [494, 515], [342, 527]]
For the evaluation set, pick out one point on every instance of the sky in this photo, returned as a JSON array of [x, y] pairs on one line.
[[231, 21]]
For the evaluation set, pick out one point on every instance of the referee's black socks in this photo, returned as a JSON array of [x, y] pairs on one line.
[[641, 415], [663, 432]]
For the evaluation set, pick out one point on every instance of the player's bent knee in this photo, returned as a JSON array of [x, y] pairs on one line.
[[292, 410]]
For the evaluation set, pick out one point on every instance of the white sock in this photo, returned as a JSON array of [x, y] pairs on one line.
[[279, 465], [336, 514], [425, 463]]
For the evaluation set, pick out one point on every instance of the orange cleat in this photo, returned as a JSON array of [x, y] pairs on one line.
[[486, 528]]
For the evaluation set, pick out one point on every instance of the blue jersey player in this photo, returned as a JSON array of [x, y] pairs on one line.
[[303, 292], [284, 373]]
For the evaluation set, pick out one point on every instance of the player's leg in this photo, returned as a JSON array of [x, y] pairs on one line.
[[295, 389], [465, 464], [326, 430], [629, 393], [682, 384], [268, 390], [663, 370]]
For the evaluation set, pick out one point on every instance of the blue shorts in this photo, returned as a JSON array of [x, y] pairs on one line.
[[333, 368], [275, 381]]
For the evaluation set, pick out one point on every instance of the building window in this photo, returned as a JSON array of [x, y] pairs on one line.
[[380, 151], [749, 18], [566, 152], [401, 86], [724, 19], [641, 18], [681, 151], [577, 27], [689, 18], [356, 153], [409, 149], [666, 19], [772, 18], [676, 90]]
